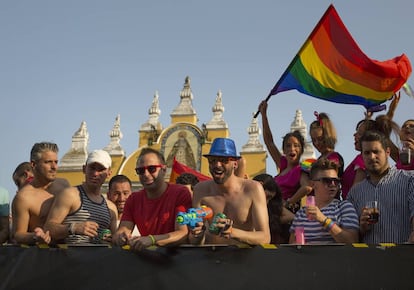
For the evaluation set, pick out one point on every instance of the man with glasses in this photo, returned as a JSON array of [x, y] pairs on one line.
[[154, 208], [328, 220], [239, 204]]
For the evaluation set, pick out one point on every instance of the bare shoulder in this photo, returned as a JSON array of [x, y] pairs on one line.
[[25, 194], [111, 205], [202, 189], [251, 184], [58, 185], [68, 193], [253, 188]]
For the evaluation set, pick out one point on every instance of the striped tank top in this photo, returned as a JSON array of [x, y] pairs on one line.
[[88, 211]]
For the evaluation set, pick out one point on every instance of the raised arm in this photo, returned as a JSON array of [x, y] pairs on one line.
[[268, 137], [393, 105]]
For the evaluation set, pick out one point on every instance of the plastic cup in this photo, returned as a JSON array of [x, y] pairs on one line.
[[405, 156], [372, 207], [300, 235], [310, 201]]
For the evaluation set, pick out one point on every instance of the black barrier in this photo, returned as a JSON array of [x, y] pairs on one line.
[[219, 267]]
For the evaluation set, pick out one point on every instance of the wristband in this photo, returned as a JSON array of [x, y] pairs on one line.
[[326, 222], [152, 239], [331, 225], [71, 229]]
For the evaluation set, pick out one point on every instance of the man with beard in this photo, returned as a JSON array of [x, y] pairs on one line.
[[32, 202], [391, 188], [80, 214], [239, 204], [154, 208]]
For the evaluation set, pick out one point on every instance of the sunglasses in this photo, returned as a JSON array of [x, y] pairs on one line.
[[223, 160], [151, 169], [329, 180]]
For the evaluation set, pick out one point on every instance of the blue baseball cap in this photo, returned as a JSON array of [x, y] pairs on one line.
[[223, 147]]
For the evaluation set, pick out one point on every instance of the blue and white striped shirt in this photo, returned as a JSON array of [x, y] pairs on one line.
[[341, 212], [395, 196]]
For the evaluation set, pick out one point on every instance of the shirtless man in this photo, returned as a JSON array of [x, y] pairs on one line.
[[32, 202], [243, 201]]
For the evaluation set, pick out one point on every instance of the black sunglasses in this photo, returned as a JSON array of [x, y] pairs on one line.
[[329, 180], [151, 169]]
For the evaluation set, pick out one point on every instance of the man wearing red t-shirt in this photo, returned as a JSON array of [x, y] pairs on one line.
[[153, 209]]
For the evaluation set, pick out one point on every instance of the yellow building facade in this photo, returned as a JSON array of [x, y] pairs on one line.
[[182, 139]]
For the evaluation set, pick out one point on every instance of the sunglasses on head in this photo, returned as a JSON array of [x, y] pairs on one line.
[[151, 169], [329, 180]]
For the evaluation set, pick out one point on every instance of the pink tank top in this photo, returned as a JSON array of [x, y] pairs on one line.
[[289, 183]]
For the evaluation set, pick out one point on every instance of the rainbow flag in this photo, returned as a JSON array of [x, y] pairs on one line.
[[178, 168], [330, 66]]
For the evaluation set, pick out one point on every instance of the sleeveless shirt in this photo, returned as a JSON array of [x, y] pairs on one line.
[[88, 211]]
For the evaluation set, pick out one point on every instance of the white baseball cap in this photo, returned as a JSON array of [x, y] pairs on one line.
[[100, 156]]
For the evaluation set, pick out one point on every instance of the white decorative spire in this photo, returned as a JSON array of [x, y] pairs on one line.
[[114, 147], [75, 158], [253, 144], [185, 107], [154, 115], [217, 122], [299, 124]]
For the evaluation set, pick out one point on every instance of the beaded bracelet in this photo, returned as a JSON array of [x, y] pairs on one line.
[[152, 239]]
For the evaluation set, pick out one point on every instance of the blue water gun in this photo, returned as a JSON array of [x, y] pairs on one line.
[[194, 215]]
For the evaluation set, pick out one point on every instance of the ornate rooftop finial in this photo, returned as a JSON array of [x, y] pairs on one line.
[[217, 121], [114, 147], [75, 158], [185, 107], [154, 115], [298, 124], [253, 144]]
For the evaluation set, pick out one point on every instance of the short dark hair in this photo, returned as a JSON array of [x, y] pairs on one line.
[[20, 171], [187, 178], [149, 150], [372, 136], [120, 178], [322, 164]]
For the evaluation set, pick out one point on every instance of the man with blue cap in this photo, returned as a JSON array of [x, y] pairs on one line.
[[239, 204]]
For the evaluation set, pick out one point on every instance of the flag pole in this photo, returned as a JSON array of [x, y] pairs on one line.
[[294, 59]]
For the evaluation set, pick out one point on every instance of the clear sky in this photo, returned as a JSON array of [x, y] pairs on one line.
[[64, 62]]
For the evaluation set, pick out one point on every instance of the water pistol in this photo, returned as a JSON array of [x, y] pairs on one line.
[[194, 215]]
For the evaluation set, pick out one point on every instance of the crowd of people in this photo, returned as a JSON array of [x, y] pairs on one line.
[[231, 208]]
